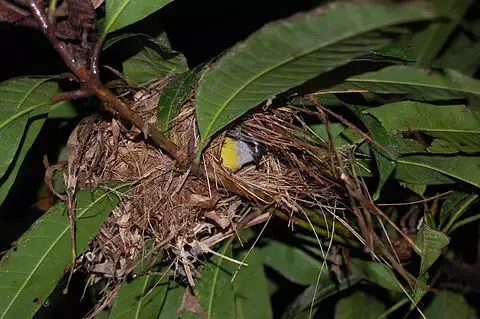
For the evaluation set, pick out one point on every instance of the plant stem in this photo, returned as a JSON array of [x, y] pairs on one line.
[[91, 85]]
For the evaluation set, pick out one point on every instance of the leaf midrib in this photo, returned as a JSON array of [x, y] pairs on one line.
[[114, 18], [22, 101], [215, 279], [424, 165], [21, 113], [175, 96], [396, 82], [140, 301], [50, 248], [434, 130]]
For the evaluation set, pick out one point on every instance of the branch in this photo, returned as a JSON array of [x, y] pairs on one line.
[[90, 83]]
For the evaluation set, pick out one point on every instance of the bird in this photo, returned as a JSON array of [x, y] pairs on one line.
[[239, 149]]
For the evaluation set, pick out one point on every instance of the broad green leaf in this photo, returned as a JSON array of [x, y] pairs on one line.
[[251, 289], [395, 50], [214, 289], [30, 136], [428, 43], [342, 135], [415, 84], [174, 96], [153, 62], [30, 271], [144, 296], [457, 124], [21, 99], [321, 130], [431, 243], [173, 300], [291, 262], [420, 175], [102, 314], [359, 305], [448, 304], [406, 173], [375, 272], [120, 13], [465, 168], [315, 294], [64, 111], [419, 292], [416, 188], [289, 52]]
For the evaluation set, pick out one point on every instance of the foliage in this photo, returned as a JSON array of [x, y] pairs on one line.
[[404, 73]]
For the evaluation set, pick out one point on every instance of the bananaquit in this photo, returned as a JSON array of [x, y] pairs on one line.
[[239, 149]]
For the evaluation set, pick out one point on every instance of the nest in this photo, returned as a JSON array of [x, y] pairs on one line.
[[184, 215]]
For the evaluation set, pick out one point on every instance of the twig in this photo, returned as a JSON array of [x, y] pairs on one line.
[[418, 201], [91, 85]]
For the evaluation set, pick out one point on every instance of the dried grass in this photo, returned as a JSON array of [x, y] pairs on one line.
[[183, 215]]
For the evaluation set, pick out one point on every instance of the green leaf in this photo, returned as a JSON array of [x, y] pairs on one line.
[[420, 175], [428, 43], [419, 292], [407, 173], [143, 297], [291, 262], [287, 53], [251, 289], [174, 95], [395, 50], [173, 301], [457, 124], [447, 304], [30, 136], [154, 61], [465, 168], [120, 13], [376, 273], [415, 84], [21, 99], [359, 305], [102, 314], [416, 188], [214, 289], [431, 243], [31, 270], [342, 135], [315, 294]]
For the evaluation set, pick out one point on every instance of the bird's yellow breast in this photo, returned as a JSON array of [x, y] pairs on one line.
[[229, 154]]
